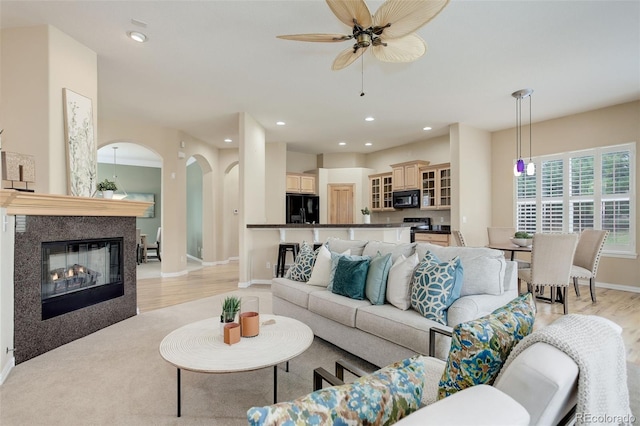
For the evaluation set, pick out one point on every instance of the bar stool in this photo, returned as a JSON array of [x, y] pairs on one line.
[[283, 249]]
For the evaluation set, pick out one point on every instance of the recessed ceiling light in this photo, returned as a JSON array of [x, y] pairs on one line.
[[280, 123], [368, 144], [137, 36], [426, 128], [342, 143], [369, 118], [227, 140]]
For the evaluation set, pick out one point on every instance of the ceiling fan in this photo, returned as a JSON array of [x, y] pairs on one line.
[[389, 32]]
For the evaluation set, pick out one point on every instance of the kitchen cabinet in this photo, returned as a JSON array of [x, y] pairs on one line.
[[435, 189], [381, 192], [407, 175], [301, 183], [438, 239]]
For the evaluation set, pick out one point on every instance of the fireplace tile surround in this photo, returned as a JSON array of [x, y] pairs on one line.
[[32, 335]]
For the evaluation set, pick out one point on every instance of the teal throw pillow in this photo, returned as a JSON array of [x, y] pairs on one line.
[[480, 347], [436, 285], [350, 278], [376, 286], [380, 398], [335, 257], [303, 264]]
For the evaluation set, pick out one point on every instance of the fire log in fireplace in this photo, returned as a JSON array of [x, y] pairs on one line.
[[76, 274]]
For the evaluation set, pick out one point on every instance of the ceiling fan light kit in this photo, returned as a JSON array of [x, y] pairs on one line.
[[389, 32]]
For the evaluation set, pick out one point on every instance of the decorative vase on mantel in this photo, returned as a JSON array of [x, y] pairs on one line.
[[107, 194]]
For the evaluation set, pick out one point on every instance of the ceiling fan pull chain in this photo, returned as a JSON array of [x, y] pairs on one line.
[[362, 76]]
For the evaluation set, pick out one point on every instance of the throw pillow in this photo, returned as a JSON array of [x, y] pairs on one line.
[[321, 273], [303, 265], [399, 281], [335, 257], [382, 397], [436, 285], [376, 286], [480, 347], [350, 278]]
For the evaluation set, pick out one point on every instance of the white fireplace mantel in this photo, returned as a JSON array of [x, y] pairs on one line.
[[34, 204]]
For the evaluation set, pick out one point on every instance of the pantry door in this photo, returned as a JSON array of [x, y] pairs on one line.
[[340, 203]]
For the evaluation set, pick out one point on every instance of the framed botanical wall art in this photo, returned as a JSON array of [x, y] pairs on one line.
[[82, 162]]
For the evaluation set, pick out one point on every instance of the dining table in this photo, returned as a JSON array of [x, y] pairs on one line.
[[508, 246]]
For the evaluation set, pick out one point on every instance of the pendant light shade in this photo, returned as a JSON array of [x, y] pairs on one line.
[[519, 167]]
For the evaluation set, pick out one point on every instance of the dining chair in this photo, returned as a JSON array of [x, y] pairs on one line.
[[138, 247], [155, 247], [551, 262], [587, 258], [459, 238], [503, 235]]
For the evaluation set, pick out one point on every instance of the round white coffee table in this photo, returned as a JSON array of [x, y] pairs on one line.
[[200, 347]]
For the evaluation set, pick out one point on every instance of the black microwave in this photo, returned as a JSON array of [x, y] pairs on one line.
[[406, 199]]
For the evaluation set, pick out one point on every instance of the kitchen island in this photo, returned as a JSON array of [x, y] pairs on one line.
[[267, 237]]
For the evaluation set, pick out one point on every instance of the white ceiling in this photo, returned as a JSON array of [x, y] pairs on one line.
[[205, 61]]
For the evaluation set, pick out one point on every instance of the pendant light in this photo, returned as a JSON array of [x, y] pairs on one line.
[[519, 166], [115, 178]]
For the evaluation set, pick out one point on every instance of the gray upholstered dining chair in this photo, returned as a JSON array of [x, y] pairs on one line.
[[459, 238], [551, 262], [587, 258], [155, 247], [503, 235]]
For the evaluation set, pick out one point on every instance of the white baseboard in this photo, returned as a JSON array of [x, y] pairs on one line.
[[7, 369], [174, 274], [195, 259], [620, 287]]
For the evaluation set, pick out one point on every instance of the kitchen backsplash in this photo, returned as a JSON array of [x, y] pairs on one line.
[[438, 217]]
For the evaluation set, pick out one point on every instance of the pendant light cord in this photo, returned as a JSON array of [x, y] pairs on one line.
[[530, 128], [362, 75]]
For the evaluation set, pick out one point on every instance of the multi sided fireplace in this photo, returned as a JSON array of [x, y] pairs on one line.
[[76, 274]]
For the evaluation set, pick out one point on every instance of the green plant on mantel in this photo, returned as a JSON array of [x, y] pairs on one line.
[[230, 307], [365, 211], [106, 185]]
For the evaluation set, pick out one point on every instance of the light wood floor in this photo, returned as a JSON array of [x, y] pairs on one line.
[[619, 306]]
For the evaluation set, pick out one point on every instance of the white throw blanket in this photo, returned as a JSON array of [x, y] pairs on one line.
[[598, 350]]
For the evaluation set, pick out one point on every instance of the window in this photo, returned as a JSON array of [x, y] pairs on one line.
[[572, 191]]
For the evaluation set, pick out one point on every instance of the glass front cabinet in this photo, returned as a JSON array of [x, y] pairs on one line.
[[381, 192], [435, 187]]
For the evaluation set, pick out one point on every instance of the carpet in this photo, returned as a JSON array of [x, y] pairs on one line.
[[116, 376]]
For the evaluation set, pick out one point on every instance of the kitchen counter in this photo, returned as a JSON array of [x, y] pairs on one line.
[[328, 225]]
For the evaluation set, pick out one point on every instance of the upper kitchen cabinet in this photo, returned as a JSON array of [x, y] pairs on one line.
[[381, 192], [301, 183], [435, 187], [407, 175]]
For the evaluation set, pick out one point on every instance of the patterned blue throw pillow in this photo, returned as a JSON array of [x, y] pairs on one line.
[[436, 285], [303, 265], [380, 398]]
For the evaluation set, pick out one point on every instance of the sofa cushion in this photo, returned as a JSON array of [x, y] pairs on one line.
[[335, 307], [436, 285], [480, 347], [335, 258], [404, 328], [350, 277], [382, 397], [376, 286], [484, 268], [374, 247], [303, 264], [321, 273], [339, 245], [399, 281], [293, 291]]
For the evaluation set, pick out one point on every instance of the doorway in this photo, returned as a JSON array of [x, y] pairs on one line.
[[340, 203]]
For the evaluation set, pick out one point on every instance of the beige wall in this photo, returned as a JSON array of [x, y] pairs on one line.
[[608, 126], [275, 192], [37, 63], [299, 162], [6, 294], [435, 150], [342, 160]]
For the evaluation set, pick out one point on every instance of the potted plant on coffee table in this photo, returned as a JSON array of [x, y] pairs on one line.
[[230, 308], [106, 187]]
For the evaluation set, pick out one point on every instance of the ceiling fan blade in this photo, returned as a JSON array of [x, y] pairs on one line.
[[403, 49], [346, 58], [326, 38], [347, 10], [406, 17]]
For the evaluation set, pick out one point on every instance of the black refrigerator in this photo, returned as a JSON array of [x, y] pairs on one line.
[[303, 208]]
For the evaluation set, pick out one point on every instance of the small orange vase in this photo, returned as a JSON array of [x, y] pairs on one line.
[[231, 333], [250, 324]]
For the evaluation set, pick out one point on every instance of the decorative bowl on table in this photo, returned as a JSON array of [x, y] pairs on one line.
[[522, 242]]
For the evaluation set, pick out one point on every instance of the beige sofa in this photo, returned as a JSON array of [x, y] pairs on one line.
[[382, 334]]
